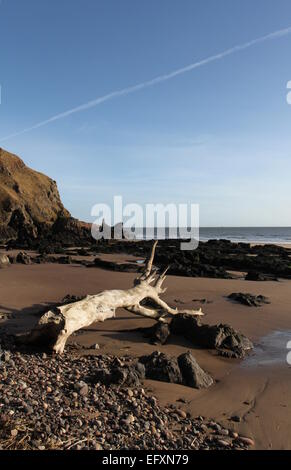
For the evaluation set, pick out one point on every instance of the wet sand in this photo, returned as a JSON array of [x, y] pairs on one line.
[[256, 390]]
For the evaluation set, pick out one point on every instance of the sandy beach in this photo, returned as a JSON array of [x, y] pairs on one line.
[[255, 390]]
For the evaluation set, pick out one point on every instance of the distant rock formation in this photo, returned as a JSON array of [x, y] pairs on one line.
[[30, 206]]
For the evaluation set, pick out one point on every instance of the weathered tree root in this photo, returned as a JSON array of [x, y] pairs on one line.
[[55, 326]]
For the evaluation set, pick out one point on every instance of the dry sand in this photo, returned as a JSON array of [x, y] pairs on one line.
[[257, 390]]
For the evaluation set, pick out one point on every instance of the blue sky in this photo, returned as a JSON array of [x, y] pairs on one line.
[[218, 135]]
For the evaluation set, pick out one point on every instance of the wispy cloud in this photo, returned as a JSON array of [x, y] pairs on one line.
[[152, 82]]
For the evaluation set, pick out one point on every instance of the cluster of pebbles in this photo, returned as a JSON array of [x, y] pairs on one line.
[[51, 402]]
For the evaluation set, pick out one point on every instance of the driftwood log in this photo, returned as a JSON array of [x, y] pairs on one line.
[[56, 325]]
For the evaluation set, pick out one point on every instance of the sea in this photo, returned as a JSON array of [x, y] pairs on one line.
[[276, 235], [270, 235]]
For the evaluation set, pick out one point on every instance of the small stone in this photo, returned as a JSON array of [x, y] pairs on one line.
[[215, 426], [182, 413], [246, 440], [82, 388], [129, 420], [22, 384], [6, 356], [14, 432], [130, 393], [28, 409], [236, 418], [224, 443]]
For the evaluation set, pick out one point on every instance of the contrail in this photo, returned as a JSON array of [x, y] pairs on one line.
[[154, 81]]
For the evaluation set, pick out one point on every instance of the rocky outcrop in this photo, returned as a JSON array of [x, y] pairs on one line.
[[214, 259], [227, 341], [249, 299], [31, 208], [120, 374], [29, 201], [158, 333], [184, 370], [257, 276], [193, 375], [159, 366]]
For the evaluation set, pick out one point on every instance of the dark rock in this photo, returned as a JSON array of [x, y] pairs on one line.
[[220, 337], [23, 258], [193, 375], [111, 266], [249, 299], [69, 299], [47, 248], [120, 375], [212, 259], [159, 366], [65, 260], [257, 276], [202, 301], [236, 418], [69, 231], [202, 270], [158, 333]]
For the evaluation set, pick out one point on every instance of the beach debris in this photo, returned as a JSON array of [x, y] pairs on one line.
[[249, 299], [227, 341], [58, 324]]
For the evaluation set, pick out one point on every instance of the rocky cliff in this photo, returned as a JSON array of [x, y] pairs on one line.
[[30, 204]]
